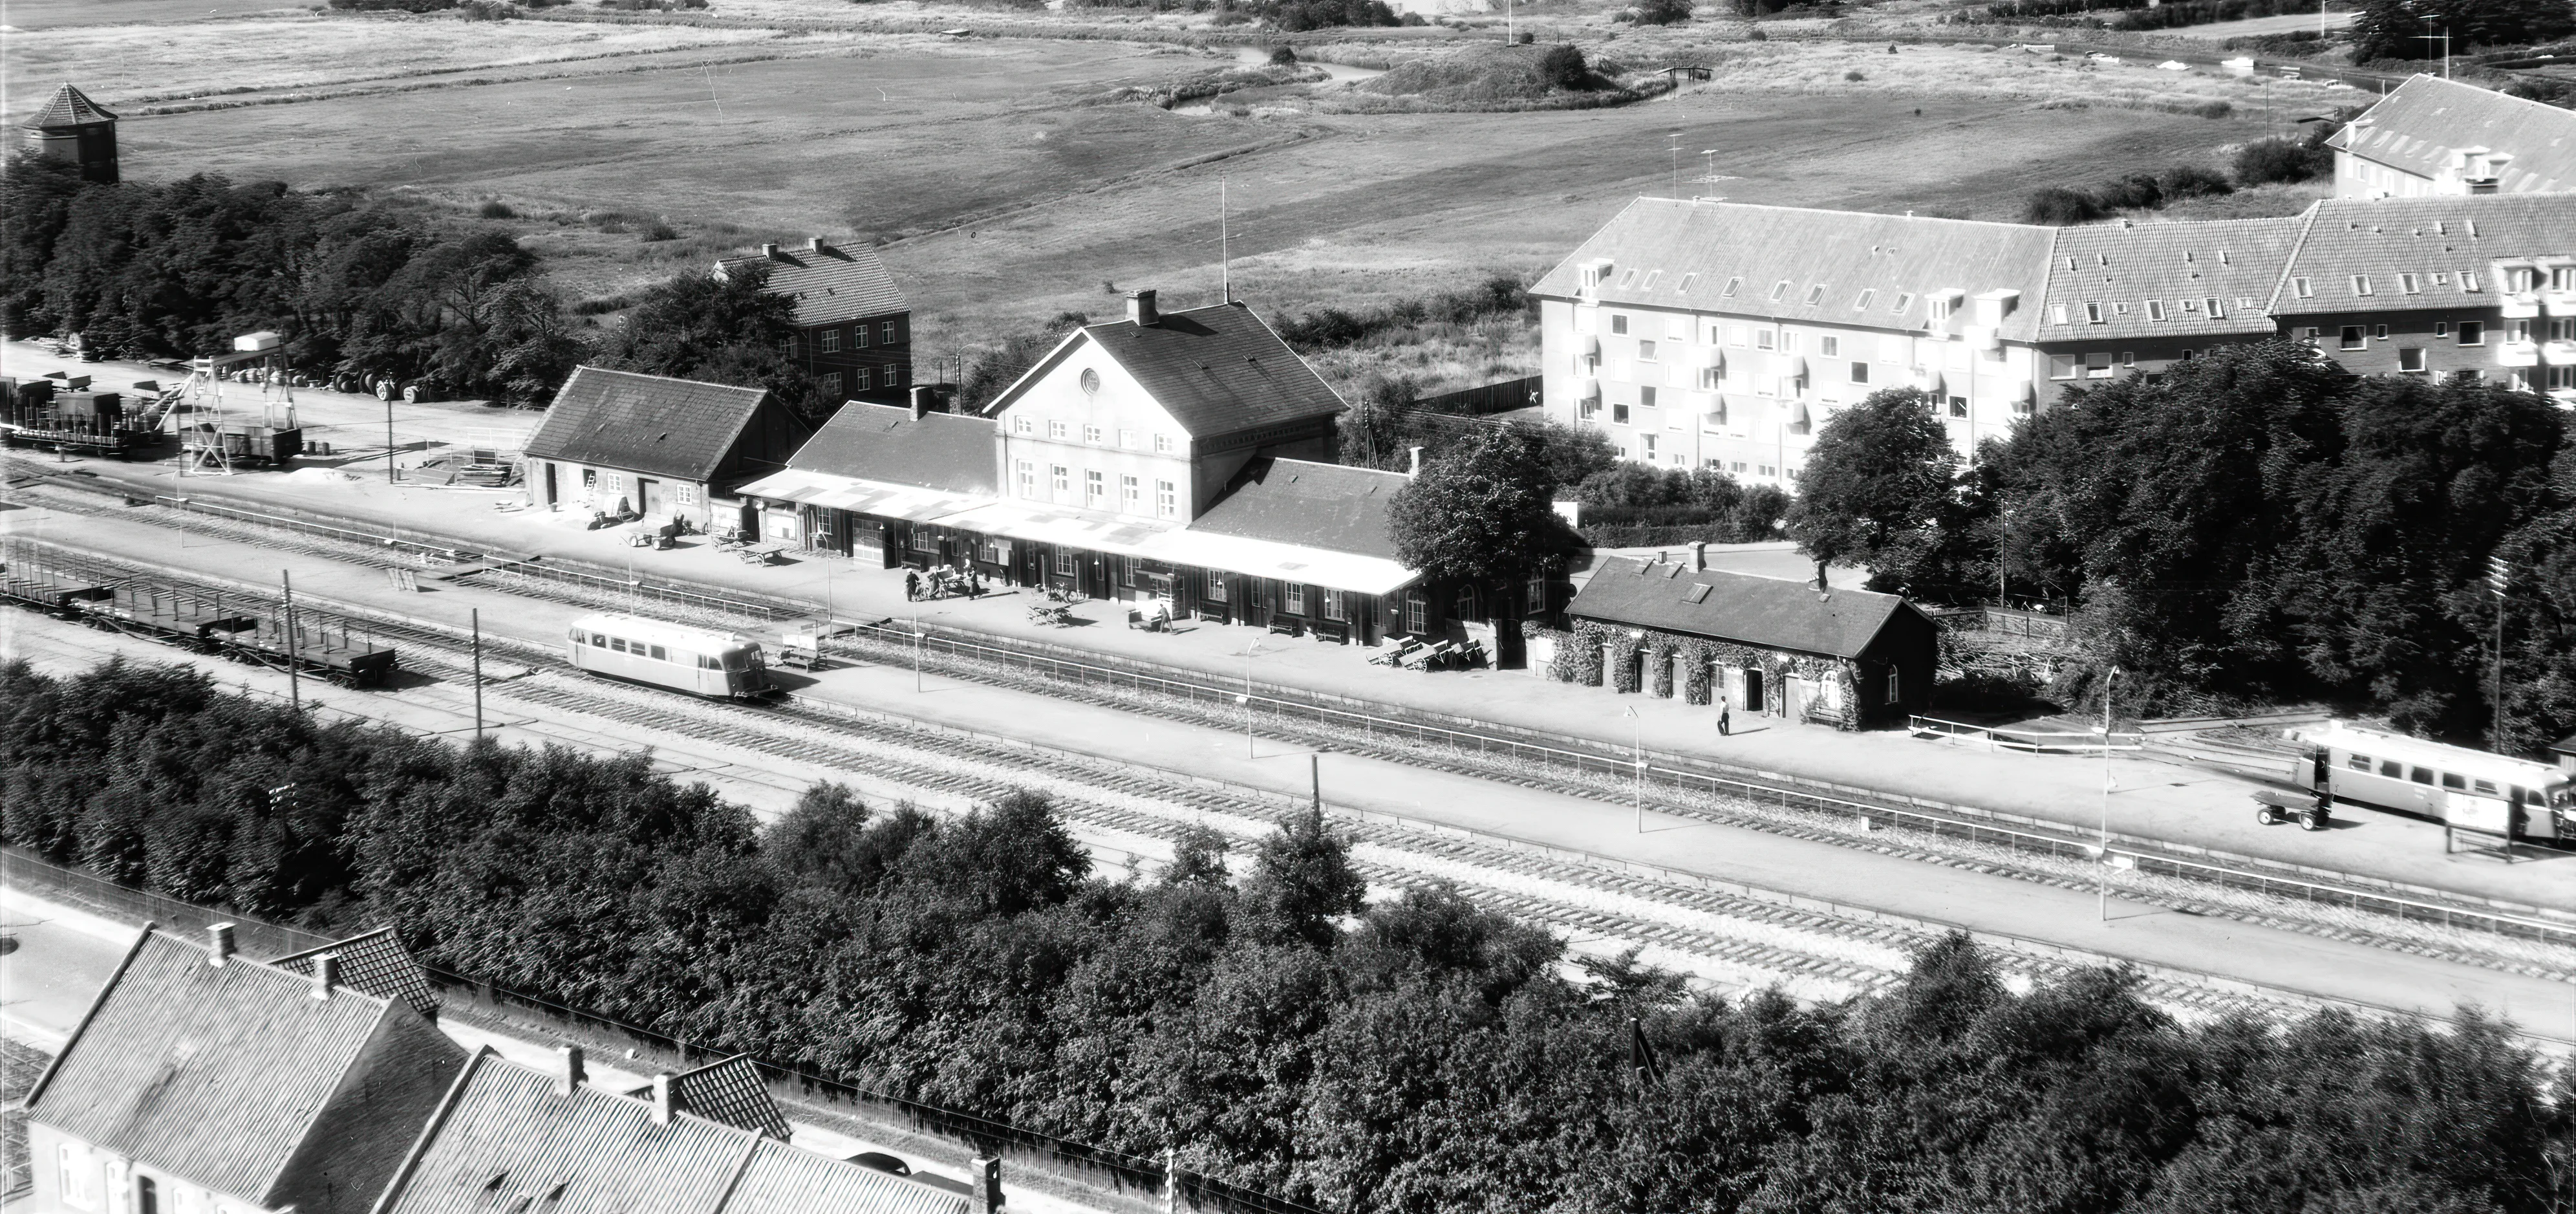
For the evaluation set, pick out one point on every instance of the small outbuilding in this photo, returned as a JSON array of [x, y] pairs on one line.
[[660, 447], [1758, 645]]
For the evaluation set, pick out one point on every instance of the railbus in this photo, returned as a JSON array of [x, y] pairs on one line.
[[696, 660], [2464, 789]]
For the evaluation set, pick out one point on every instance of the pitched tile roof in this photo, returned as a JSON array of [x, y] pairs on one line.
[[1216, 370], [2179, 266], [377, 964], [830, 284], [644, 423], [784, 1180], [1766, 613], [1294, 501], [69, 107], [730, 1091], [950, 452], [506, 1143], [237, 1078], [1731, 259], [2417, 127], [2445, 235]]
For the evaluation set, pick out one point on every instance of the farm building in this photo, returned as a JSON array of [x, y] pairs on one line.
[[853, 327], [660, 447], [2436, 136], [1846, 658]]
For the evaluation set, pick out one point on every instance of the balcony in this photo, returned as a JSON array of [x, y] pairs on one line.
[[2520, 305], [2518, 354], [2559, 353], [2559, 303], [1982, 337]]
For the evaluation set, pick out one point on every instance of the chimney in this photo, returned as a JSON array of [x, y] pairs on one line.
[[925, 399], [1140, 308], [326, 974], [984, 1176], [816, 245], [662, 1098], [219, 942], [1699, 556], [769, 251], [1415, 453], [568, 1075]]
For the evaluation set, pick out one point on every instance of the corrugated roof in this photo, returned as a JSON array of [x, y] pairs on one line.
[[830, 285], [2438, 238], [1765, 613], [375, 963], [2180, 267], [1295, 501], [2417, 127], [730, 1091], [785, 1180], [1684, 255], [1216, 370], [644, 423], [216, 1073], [506, 1143], [950, 452], [69, 107]]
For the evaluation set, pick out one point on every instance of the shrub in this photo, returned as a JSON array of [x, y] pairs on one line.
[[1283, 54], [2286, 160], [658, 230], [1562, 66], [2059, 205], [1663, 12], [2135, 192], [2192, 181], [1855, 74]]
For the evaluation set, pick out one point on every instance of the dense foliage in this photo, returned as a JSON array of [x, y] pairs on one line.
[[2203, 12], [2255, 522], [2138, 191], [181, 268], [2414, 29], [1630, 504], [1415, 1053], [1483, 513], [720, 330]]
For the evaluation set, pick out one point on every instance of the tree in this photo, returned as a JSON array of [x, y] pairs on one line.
[[728, 330], [2414, 29], [989, 374], [1482, 515], [1878, 486], [1302, 880], [1662, 12]]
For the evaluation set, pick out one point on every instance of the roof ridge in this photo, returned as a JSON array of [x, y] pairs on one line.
[[429, 1133], [674, 379], [96, 1002], [1908, 216]]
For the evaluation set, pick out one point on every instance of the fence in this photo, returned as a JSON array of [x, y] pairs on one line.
[[471, 995], [2033, 741], [1501, 397]]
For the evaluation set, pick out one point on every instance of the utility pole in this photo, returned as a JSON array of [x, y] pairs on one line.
[[1224, 247], [2105, 859], [1315, 781], [477, 617], [2499, 579], [294, 690], [1637, 761], [389, 436]]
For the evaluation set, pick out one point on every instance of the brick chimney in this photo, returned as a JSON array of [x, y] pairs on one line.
[[662, 1098], [1699, 556], [984, 1178], [326, 974], [925, 399], [219, 943], [568, 1071], [1140, 308], [816, 245], [769, 251]]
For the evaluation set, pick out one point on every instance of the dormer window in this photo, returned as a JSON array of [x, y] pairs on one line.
[[2411, 284], [2057, 314], [2217, 308], [2155, 309]]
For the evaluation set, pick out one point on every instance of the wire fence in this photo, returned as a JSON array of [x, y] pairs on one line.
[[1124, 1174]]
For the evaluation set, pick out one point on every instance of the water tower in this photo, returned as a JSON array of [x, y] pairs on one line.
[[72, 127]]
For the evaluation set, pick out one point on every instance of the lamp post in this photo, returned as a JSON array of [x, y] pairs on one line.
[[1637, 761], [477, 623], [2105, 858], [918, 633], [1246, 698], [294, 690]]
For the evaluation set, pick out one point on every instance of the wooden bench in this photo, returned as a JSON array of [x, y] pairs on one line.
[[1336, 631], [1287, 625]]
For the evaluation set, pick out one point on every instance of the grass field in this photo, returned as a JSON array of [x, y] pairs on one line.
[[1008, 185]]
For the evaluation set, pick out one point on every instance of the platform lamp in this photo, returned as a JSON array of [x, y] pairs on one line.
[[1637, 759]]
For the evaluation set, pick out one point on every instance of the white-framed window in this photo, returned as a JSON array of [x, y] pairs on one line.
[[1162, 444], [1649, 443], [1167, 500], [1780, 290], [859, 336], [888, 333], [1131, 495], [1061, 481], [1416, 607], [1646, 397], [2473, 333], [1063, 561], [1618, 322], [2304, 288], [1091, 435], [1028, 479], [1024, 425], [1534, 595], [1095, 490], [1732, 285], [1127, 439], [688, 493], [2410, 284], [1895, 686], [2354, 338], [830, 383], [1862, 304], [76, 1172], [1215, 590], [1059, 430], [863, 379], [2097, 365], [1336, 605], [2057, 314], [1830, 347], [1765, 339], [2093, 314], [1294, 597], [2410, 358], [1645, 351], [1815, 295], [2361, 284], [831, 341], [1904, 300], [2469, 280], [2155, 309]]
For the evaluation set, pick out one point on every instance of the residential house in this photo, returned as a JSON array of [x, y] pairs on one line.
[[1846, 658], [512, 1137], [2436, 136], [1173, 456], [730, 1091], [2439, 285], [655, 445], [2128, 297], [202, 1082], [853, 327]]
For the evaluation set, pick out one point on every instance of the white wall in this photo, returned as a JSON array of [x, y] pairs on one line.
[[105, 1182], [1128, 421]]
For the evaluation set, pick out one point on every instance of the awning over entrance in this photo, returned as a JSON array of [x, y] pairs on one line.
[[906, 502], [1041, 524], [1285, 562]]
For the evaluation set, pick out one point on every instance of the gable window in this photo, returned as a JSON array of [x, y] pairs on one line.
[[78, 1174], [1167, 503], [2155, 309], [2303, 288], [1091, 435], [1127, 439], [831, 341], [1618, 323], [1162, 444]]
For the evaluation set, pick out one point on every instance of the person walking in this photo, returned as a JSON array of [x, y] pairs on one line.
[[1725, 722], [911, 586]]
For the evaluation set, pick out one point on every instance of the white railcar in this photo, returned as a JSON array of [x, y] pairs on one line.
[[2467, 789], [697, 660]]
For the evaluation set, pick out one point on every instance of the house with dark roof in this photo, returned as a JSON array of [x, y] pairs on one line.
[[515, 1138], [872, 481], [658, 446], [853, 327], [74, 128], [202, 1080], [375, 963], [730, 1091], [2436, 136], [1758, 645]]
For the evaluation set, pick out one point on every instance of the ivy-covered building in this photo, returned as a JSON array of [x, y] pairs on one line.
[[1762, 646]]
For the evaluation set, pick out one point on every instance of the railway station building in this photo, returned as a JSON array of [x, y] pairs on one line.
[[1181, 457], [658, 446], [1761, 646]]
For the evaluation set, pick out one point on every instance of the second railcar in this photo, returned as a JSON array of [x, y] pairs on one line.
[[696, 660]]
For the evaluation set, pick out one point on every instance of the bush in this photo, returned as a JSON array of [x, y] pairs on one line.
[[1297, 16], [1855, 74], [1663, 12], [1283, 55], [2192, 181], [2059, 205], [658, 230], [2265, 161], [1562, 66]]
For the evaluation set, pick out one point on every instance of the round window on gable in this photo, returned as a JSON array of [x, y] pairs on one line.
[[1090, 382]]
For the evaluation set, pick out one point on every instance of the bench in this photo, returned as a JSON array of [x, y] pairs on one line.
[[1336, 631], [1287, 625]]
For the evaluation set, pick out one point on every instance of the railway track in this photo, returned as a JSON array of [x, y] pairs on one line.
[[2065, 861], [1736, 939]]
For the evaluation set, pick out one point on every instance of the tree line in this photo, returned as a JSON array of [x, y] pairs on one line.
[[2254, 524], [1266, 1014], [359, 290]]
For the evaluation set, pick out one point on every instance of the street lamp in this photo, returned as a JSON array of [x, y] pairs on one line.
[[918, 632], [1246, 698], [2105, 858], [1637, 760]]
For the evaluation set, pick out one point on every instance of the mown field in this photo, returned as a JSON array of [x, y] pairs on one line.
[[1009, 182]]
